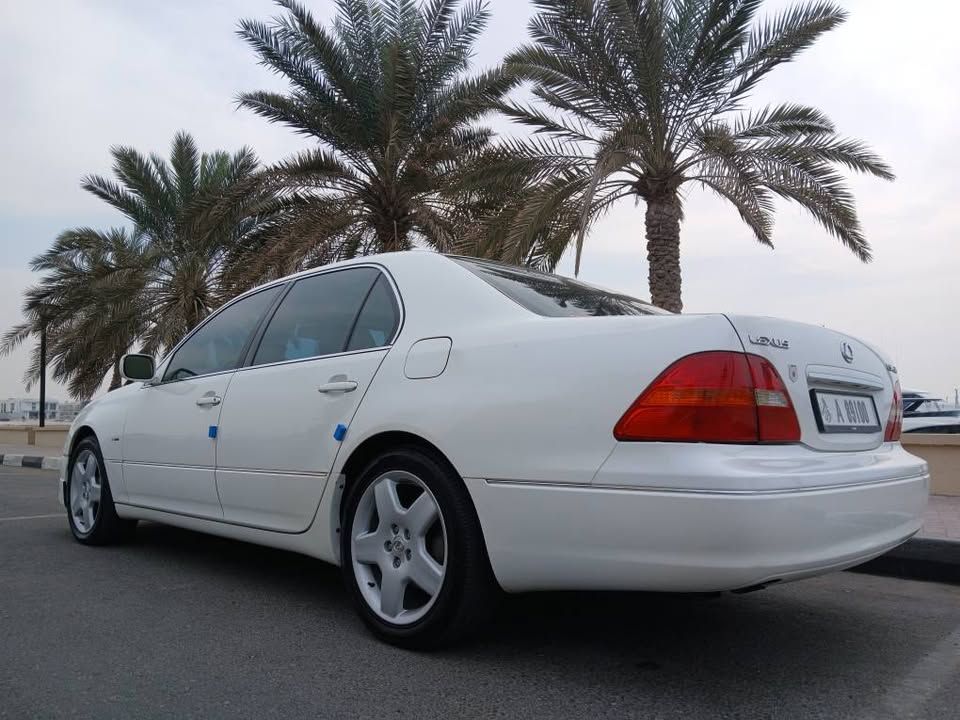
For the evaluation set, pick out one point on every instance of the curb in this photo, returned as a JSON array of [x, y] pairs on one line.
[[919, 559], [32, 461]]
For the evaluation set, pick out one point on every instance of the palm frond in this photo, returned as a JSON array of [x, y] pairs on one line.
[[781, 39]]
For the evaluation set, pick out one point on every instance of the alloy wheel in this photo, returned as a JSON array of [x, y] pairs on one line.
[[86, 487], [398, 547]]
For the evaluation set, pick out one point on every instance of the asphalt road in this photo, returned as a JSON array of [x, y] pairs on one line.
[[182, 625]]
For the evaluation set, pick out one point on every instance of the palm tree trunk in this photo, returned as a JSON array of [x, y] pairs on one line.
[[116, 380], [663, 251], [392, 234]]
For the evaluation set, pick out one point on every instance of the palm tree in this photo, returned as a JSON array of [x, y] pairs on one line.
[[89, 302], [385, 95], [103, 293], [638, 98]]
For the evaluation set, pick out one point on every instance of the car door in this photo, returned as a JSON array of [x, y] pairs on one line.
[[305, 377], [169, 445]]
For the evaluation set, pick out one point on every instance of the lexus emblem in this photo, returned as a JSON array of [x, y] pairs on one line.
[[846, 352]]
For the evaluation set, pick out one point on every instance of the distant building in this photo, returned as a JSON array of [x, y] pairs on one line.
[[67, 411], [28, 410]]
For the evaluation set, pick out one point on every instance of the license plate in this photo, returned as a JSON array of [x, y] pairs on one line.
[[844, 413]]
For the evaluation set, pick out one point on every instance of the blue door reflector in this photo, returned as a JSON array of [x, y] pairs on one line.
[[340, 432], [212, 431]]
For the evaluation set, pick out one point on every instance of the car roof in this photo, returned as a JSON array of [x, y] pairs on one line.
[[387, 260]]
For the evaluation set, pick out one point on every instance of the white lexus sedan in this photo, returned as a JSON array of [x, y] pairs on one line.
[[443, 428]]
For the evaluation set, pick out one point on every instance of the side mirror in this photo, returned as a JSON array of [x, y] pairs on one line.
[[136, 367]]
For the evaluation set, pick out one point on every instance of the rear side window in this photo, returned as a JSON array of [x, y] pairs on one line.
[[554, 295], [219, 343], [378, 319], [316, 317]]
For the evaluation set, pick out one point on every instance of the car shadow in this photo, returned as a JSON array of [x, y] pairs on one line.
[[799, 642], [291, 573]]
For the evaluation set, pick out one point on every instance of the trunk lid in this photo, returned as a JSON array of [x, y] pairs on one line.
[[840, 387]]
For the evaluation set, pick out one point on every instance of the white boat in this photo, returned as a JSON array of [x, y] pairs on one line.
[[923, 413]]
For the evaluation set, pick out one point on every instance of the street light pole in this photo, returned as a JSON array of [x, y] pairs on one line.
[[43, 376]]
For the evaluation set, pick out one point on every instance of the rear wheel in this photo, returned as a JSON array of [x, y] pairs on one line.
[[90, 511], [412, 552]]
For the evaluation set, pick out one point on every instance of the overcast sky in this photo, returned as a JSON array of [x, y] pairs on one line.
[[80, 76]]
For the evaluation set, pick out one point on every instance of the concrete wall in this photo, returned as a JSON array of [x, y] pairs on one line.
[[52, 436], [942, 453], [14, 434]]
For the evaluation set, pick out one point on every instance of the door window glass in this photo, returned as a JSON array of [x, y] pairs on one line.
[[219, 343], [316, 316], [378, 319]]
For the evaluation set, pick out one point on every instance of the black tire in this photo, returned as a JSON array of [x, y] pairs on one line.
[[107, 526], [468, 593]]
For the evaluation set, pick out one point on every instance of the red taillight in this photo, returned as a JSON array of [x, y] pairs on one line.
[[895, 418], [776, 418], [727, 397]]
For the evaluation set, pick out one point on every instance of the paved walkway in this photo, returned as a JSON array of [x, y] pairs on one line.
[[942, 520]]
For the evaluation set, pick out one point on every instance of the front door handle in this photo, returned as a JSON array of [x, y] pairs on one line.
[[209, 401], [341, 386]]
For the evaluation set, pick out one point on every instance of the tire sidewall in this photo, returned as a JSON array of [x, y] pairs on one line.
[[438, 480]]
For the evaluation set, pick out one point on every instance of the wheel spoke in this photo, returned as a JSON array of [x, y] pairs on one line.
[[77, 474], [392, 589], [421, 515], [425, 572], [94, 491], [90, 467], [388, 502], [76, 506], [88, 516], [368, 548]]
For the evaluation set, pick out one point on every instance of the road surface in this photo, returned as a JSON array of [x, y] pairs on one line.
[[188, 626]]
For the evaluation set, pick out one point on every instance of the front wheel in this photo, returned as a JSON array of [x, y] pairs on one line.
[[90, 511], [412, 553]]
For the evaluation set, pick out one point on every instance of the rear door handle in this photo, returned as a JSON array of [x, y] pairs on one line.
[[341, 386], [209, 401]]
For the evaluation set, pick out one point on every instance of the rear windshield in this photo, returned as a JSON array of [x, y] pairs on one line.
[[554, 295]]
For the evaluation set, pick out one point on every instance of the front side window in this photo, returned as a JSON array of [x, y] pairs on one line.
[[555, 295], [316, 317], [219, 343]]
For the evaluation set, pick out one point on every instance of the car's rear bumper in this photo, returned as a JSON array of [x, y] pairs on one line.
[[542, 536]]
